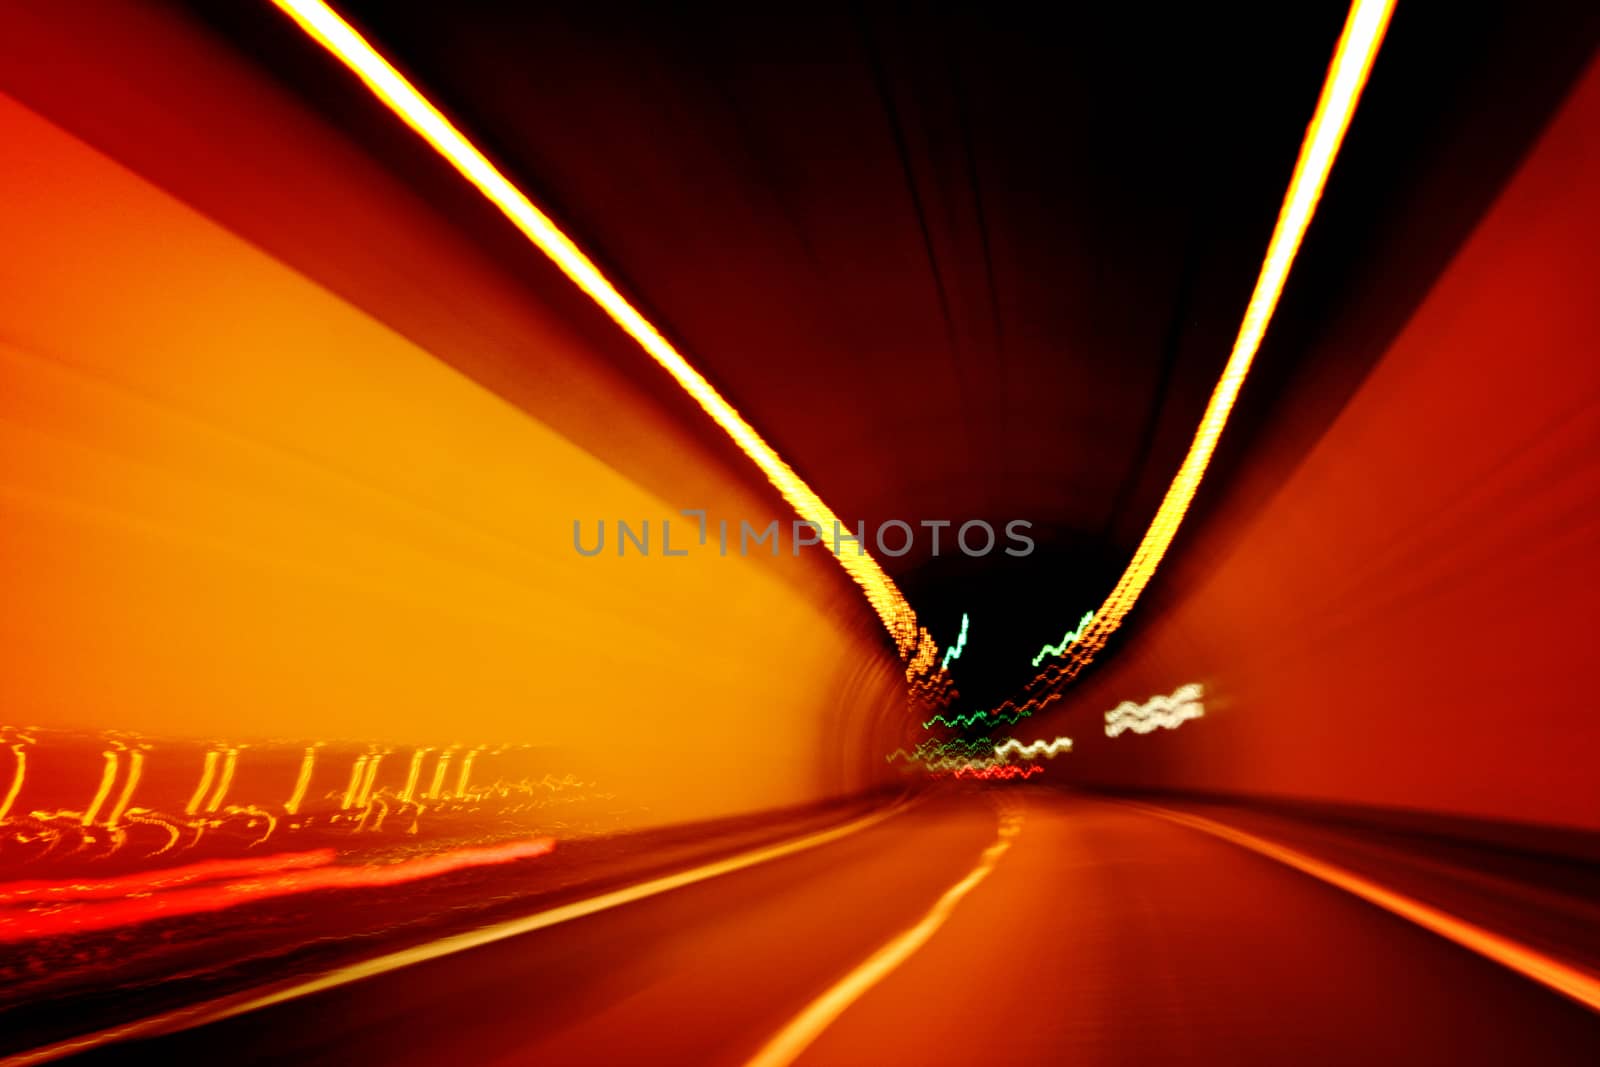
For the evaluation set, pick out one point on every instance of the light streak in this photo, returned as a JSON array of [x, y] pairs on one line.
[[255, 812], [229, 762], [379, 805], [926, 650], [955, 650], [207, 772], [302, 781], [1033, 751], [962, 722], [412, 774], [18, 776], [325, 26], [937, 750], [934, 690], [950, 763], [135, 769], [122, 885], [439, 769], [1027, 707], [354, 784], [108, 776], [993, 773], [466, 771], [111, 821], [1347, 74], [1157, 713], [1017, 713], [1071, 636], [146, 818], [78, 918], [368, 779]]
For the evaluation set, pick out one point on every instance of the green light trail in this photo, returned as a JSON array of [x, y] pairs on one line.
[[1072, 635], [955, 650]]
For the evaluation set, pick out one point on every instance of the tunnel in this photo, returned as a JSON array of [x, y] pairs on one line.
[[847, 534]]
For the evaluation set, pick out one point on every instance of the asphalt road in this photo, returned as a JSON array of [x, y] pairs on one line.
[[1101, 934]]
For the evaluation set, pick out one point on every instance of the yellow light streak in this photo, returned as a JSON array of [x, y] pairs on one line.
[[207, 772], [325, 26], [439, 770], [18, 776], [413, 774], [107, 777], [302, 782], [466, 771], [230, 761], [1352, 61], [367, 780], [147, 818], [135, 769], [255, 812], [355, 782], [379, 805]]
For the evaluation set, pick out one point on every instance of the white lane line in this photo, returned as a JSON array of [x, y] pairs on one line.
[[265, 996], [1582, 986], [803, 1029]]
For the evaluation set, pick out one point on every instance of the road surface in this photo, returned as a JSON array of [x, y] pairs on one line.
[[992, 927]]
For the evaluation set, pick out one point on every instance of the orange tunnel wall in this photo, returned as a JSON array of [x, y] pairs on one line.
[[236, 508]]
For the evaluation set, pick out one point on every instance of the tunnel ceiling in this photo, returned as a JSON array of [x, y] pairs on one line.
[[980, 264]]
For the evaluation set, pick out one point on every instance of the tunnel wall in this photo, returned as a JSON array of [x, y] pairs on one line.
[[1409, 621], [241, 509]]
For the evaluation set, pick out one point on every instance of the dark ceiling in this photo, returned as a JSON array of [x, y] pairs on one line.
[[978, 264]]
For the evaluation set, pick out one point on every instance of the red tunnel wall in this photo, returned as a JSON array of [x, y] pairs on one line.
[[1409, 621]]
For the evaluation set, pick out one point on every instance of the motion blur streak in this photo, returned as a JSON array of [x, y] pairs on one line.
[[1568, 981], [208, 770], [82, 918], [124, 798], [1352, 60], [337, 36], [960, 722], [954, 651], [107, 777], [19, 775], [148, 881], [303, 781], [806, 1027], [1066, 641], [992, 773], [1157, 713], [1034, 750]]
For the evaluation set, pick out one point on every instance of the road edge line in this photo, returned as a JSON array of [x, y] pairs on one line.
[[226, 1007], [1553, 974]]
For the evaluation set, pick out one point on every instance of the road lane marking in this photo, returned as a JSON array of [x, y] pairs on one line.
[[249, 1000], [1548, 971], [803, 1029]]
